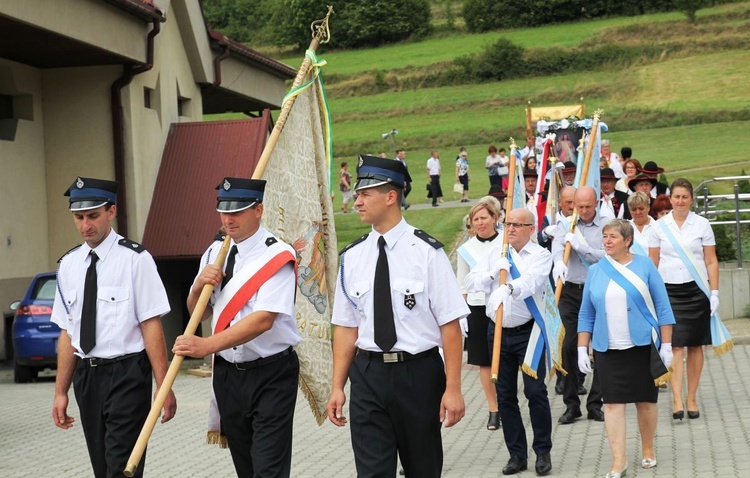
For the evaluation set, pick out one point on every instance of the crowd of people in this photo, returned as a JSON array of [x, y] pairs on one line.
[[641, 291]]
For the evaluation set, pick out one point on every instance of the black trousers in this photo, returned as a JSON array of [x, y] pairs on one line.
[[114, 400], [570, 304], [257, 411], [435, 190], [395, 408], [512, 351]]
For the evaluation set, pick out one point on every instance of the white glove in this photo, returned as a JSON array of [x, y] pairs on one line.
[[464, 323], [560, 271], [573, 240], [478, 281], [550, 230], [504, 265], [714, 301], [498, 297], [665, 352], [584, 363]]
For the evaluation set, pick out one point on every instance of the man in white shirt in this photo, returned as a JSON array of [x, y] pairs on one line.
[[612, 204], [109, 304], [613, 159], [254, 333], [528, 270], [393, 309], [433, 174], [401, 157]]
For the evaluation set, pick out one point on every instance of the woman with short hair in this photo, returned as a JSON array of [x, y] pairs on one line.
[[626, 316], [638, 205], [483, 216]]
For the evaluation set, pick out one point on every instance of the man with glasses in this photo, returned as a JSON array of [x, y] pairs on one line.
[[587, 249], [528, 266]]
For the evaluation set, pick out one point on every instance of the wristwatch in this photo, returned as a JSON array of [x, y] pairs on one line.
[[510, 286]]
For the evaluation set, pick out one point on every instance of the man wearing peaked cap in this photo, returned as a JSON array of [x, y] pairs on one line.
[[112, 337], [254, 333], [393, 310], [653, 171]]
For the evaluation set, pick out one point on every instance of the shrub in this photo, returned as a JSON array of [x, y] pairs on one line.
[[725, 251], [503, 59], [690, 7]]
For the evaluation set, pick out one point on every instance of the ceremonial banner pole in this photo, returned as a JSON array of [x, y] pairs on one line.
[[584, 178], [495, 367], [320, 34]]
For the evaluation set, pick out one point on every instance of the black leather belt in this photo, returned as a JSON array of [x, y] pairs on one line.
[[257, 362], [521, 328], [92, 362], [573, 285], [395, 357]]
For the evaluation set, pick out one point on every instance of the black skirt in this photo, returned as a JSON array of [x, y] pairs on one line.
[[625, 375], [692, 314], [476, 342]]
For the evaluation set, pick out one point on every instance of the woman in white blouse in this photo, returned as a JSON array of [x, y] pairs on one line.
[[638, 205], [683, 247], [483, 217]]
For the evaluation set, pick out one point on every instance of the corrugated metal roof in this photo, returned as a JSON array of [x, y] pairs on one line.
[[183, 220]]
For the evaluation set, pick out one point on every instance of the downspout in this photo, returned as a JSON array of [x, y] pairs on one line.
[[118, 128], [224, 44]]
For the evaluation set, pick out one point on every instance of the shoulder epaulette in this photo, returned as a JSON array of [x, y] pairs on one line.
[[71, 250], [133, 246], [428, 238], [219, 237], [353, 243], [271, 241]]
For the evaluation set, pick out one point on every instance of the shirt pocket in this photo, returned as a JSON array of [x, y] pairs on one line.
[[69, 298], [408, 296], [360, 295], [112, 303]]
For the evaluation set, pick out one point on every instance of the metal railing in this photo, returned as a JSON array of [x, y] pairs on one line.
[[710, 207]]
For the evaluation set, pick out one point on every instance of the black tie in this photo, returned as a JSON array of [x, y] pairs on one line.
[[385, 328], [88, 312], [229, 270]]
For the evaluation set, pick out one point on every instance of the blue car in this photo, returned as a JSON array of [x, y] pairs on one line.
[[34, 336]]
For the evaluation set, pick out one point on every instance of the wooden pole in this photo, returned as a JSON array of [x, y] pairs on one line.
[[320, 35], [497, 338], [582, 180]]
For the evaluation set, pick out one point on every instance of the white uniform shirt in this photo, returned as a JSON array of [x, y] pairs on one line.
[[433, 166], [462, 267], [696, 232], [415, 268], [607, 209], [538, 262], [129, 291], [275, 295]]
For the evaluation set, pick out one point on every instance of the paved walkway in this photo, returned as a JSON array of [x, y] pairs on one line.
[[716, 444]]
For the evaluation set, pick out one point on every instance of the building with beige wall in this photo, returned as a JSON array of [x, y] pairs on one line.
[[91, 88]]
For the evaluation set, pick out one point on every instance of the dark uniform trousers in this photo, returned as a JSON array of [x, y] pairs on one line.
[[570, 305], [395, 407], [114, 400], [512, 351], [257, 411]]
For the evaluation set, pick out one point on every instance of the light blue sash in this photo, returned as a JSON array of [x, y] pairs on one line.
[[465, 254], [721, 340]]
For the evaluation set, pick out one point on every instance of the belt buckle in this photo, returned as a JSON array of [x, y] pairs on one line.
[[237, 366], [391, 357], [92, 362]]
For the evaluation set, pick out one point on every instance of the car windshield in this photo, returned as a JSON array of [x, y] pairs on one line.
[[44, 289]]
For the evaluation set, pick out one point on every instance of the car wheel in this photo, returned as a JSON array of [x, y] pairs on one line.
[[23, 374]]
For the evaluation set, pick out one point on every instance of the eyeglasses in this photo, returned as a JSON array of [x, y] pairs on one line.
[[515, 224]]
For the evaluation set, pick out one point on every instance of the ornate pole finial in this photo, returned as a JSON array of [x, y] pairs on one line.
[[598, 113], [513, 144], [320, 27]]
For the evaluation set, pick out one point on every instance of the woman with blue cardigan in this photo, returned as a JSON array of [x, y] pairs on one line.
[[625, 314]]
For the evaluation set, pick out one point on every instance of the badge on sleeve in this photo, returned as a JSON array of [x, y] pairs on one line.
[[410, 301]]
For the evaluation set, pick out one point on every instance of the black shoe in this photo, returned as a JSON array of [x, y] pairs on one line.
[[515, 464], [678, 415], [596, 414], [569, 416], [694, 414], [582, 390], [543, 464], [559, 387], [494, 421], [434, 205]]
